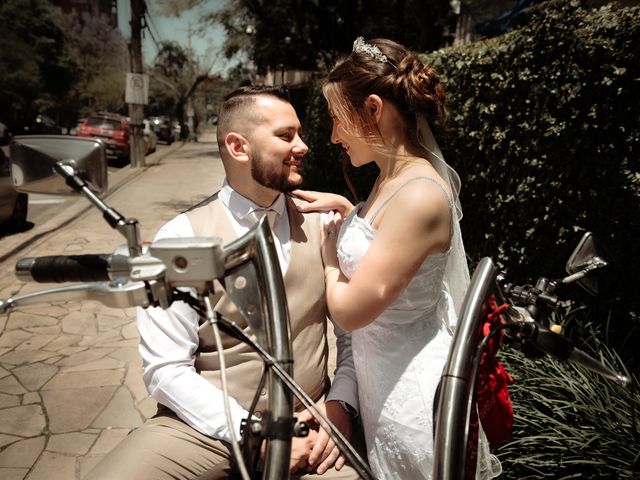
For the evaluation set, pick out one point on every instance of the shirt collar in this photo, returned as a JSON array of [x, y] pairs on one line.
[[240, 207]]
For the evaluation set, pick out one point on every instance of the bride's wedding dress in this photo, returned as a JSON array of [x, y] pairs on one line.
[[399, 358]]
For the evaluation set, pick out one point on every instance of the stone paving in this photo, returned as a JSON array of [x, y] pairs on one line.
[[70, 373]]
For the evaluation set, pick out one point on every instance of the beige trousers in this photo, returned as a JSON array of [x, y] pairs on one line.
[[165, 447]]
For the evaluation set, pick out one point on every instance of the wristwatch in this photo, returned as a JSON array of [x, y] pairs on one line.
[[352, 412]]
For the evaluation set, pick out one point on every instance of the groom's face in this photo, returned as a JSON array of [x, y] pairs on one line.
[[276, 146]]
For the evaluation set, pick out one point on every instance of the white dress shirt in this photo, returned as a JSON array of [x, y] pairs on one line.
[[239, 211], [169, 338]]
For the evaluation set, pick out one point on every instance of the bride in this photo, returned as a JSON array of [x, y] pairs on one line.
[[395, 269]]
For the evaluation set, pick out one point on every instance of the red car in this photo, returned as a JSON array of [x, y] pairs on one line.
[[112, 129]]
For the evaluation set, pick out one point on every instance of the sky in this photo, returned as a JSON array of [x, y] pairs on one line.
[[206, 47]]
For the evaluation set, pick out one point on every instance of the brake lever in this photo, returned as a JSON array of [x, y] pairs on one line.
[[529, 331], [110, 294]]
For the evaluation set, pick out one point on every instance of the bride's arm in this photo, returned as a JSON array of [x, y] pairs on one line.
[[414, 224], [323, 202]]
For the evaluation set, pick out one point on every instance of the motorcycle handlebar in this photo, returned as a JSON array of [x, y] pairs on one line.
[[65, 268], [562, 348]]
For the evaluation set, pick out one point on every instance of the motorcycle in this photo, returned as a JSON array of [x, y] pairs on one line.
[[248, 270], [524, 315]]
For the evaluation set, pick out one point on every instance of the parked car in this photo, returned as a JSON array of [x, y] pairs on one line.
[[74, 130], [41, 124], [150, 138], [13, 205], [111, 128], [163, 128]]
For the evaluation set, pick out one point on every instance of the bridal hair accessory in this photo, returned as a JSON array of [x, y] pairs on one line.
[[360, 46]]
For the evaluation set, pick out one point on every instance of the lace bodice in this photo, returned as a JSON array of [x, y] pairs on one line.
[[399, 358], [423, 291]]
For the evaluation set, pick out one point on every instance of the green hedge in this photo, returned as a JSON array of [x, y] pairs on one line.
[[544, 132]]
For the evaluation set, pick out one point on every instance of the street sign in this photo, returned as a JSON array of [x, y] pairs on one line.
[[137, 90]]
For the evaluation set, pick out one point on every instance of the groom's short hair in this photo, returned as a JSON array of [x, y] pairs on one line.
[[239, 101]]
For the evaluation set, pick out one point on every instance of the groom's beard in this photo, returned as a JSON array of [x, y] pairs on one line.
[[272, 176]]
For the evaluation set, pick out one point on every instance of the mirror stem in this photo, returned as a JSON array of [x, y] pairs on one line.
[[129, 228], [594, 265]]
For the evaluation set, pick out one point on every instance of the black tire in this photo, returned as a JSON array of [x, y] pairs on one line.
[[19, 215]]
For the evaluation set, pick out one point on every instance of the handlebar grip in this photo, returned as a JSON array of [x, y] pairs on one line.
[[563, 349], [557, 345], [64, 268]]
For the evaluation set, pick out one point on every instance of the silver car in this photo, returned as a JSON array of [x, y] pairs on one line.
[[150, 137]]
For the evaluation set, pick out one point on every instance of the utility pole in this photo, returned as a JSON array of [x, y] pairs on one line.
[[190, 112], [135, 82]]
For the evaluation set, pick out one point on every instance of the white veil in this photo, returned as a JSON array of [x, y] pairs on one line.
[[456, 275]]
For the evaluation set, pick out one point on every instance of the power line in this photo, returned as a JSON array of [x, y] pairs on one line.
[[149, 24], [152, 23]]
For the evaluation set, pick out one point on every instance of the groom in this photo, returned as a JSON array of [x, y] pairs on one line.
[[261, 150]]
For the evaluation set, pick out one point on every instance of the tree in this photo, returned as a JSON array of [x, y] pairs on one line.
[[306, 34], [175, 77], [100, 53], [63, 65], [36, 70]]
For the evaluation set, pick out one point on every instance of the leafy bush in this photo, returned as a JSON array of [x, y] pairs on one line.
[[545, 133]]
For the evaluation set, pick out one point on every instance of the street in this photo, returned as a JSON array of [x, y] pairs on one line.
[[43, 206], [40, 206], [70, 373]]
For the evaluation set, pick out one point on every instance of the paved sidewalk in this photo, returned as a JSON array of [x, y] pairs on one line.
[[70, 372]]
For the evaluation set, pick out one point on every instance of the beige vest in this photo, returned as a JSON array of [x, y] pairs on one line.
[[305, 290]]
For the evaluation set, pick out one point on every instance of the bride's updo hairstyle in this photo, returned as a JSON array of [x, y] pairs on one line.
[[394, 73]]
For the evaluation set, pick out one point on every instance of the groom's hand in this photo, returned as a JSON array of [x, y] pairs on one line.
[[325, 454], [300, 451]]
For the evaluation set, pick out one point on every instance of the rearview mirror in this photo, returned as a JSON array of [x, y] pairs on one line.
[[583, 263], [33, 158]]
